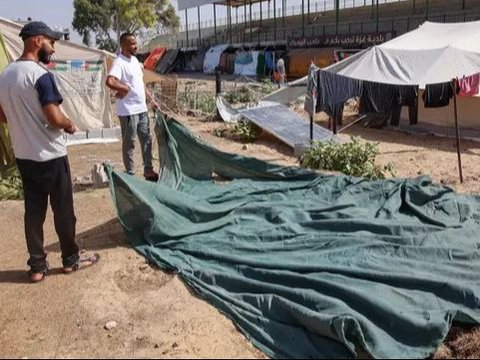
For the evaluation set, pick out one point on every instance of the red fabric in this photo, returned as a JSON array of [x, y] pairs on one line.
[[151, 62], [468, 86]]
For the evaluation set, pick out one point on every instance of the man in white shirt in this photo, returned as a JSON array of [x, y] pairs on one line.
[[126, 78]]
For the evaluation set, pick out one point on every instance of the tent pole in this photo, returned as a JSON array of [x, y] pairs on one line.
[[457, 130]]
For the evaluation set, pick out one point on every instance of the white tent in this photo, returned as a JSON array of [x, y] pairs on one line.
[[80, 72], [433, 53]]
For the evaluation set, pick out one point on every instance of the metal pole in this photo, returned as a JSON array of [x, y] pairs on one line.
[[261, 14], [337, 15], [229, 14], [426, 15], [251, 33], [459, 155], [215, 22], [275, 20], [376, 14], [308, 11], [244, 21], [218, 82], [303, 18], [199, 30], [186, 24]]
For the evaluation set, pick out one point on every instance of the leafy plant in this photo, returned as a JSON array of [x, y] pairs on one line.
[[243, 131], [267, 86], [351, 158], [240, 95], [198, 102], [11, 187], [249, 93]]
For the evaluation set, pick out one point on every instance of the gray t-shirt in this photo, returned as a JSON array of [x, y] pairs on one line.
[[25, 88]]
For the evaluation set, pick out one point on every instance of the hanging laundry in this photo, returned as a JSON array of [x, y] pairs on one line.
[[312, 90], [437, 95], [261, 65], [270, 60], [383, 98], [334, 90], [468, 86]]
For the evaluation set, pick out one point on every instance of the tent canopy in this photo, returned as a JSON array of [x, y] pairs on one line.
[[80, 72], [433, 53]]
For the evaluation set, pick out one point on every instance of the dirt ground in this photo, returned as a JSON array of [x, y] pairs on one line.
[[156, 315]]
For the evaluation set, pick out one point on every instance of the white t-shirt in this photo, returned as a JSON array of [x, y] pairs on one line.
[[130, 72], [26, 88]]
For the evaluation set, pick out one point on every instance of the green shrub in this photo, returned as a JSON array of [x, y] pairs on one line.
[[351, 158], [240, 95], [245, 94], [243, 131], [11, 187], [203, 102]]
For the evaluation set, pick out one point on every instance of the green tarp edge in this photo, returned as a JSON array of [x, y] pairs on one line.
[[307, 265]]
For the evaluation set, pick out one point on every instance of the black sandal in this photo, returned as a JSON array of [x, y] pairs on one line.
[[82, 263], [44, 274]]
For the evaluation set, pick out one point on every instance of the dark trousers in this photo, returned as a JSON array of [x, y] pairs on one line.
[[41, 180]]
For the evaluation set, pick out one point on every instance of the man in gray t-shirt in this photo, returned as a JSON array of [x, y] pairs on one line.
[[30, 105]]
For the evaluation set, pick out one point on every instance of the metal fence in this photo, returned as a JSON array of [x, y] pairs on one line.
[[399, 25], [241, 15]]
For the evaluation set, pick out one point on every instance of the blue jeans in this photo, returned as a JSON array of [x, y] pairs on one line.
[[131, 126]]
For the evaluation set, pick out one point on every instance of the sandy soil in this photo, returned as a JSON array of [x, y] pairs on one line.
[[156, 315]]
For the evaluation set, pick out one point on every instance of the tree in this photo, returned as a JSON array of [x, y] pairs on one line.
[[106, 19]]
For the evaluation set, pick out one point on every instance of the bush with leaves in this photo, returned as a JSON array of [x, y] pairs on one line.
[[203, 102], [243, 131], [351, 158], [240, 95], [245, 94], [11, 187], [267, 86]]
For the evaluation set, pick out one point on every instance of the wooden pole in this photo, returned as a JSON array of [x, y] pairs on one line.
[[457, 130]]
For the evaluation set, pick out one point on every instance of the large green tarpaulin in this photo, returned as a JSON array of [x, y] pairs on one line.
[[308, 265]]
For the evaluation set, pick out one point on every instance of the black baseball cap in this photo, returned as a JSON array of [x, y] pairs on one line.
[[35, 28]]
